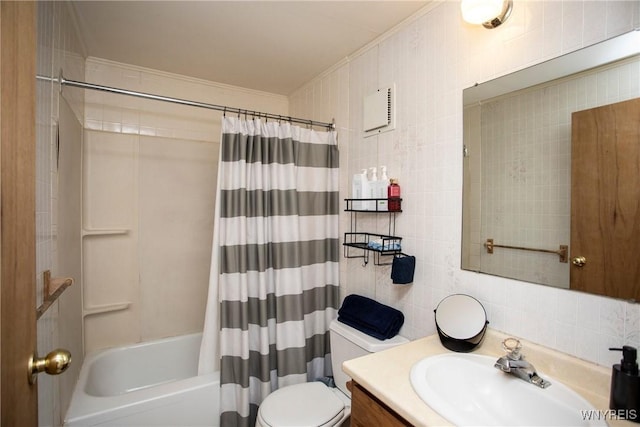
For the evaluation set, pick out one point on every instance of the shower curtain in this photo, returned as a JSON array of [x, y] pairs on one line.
[[276, 266]]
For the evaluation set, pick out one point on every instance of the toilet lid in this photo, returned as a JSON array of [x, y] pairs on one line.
[[308, 404]]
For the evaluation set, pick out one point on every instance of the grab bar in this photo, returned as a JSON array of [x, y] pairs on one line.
[[563, 252]]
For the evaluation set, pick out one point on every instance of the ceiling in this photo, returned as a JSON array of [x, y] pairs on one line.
[[274, 46]]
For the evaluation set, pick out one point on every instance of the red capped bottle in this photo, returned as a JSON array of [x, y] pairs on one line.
[[393, 194]]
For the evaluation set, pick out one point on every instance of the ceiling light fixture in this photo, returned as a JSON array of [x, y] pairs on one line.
[[489, 13]]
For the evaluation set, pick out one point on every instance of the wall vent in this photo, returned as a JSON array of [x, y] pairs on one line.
[[379, 111]]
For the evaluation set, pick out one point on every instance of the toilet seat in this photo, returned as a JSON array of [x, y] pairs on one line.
[[309, 404]]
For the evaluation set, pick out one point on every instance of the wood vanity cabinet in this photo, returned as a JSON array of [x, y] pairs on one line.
[[369, 411]]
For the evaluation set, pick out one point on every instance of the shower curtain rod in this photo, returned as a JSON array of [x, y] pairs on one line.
[[74, 83]]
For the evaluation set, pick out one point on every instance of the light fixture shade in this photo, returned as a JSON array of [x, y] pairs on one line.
[[480, 11]]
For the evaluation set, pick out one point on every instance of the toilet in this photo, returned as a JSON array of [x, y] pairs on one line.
[[314, 404]]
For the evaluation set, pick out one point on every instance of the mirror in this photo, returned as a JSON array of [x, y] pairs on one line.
[[517, 158]]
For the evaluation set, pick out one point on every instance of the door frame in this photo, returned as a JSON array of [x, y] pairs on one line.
[[18, 399]]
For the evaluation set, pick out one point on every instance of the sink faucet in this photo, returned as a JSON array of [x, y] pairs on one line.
[[513, 363]]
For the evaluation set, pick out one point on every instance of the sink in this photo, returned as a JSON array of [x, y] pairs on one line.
[[466, 389]]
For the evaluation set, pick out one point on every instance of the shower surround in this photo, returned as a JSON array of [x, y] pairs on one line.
[[149, 179]]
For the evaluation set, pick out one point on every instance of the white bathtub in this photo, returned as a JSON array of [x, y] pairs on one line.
[[148, 384]]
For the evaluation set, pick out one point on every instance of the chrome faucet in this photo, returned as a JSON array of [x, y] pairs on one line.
[[513, 363]]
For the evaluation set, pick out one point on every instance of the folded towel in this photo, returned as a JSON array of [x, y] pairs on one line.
[[384, 245], [366, 315], [402, 269]]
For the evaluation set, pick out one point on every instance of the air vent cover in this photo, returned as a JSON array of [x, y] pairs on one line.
[[379, 111]]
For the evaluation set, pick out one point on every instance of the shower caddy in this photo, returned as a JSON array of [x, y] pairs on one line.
[[353, 239]]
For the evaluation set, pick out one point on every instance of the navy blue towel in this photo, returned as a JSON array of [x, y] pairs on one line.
[[369, 316], [402, 269]]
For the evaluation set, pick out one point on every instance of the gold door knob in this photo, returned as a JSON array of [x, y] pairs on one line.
[[579, 261], [54, 363]]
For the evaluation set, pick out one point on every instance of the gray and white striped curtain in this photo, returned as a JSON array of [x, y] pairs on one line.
[[278, 260]]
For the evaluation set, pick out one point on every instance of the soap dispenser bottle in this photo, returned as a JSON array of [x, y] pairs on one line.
[[625, 385], [372, 205], [359, 190], [383, 182]]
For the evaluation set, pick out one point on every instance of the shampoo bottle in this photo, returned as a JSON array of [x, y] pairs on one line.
[[373, 188], [381, 192], [359, 190], [625, 386]]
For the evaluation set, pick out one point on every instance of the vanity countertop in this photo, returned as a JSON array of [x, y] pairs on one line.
[[386, 375]]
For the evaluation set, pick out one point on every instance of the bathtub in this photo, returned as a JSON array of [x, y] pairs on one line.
[[149, 384]]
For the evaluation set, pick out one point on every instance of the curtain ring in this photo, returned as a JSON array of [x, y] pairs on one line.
[[224, 112]]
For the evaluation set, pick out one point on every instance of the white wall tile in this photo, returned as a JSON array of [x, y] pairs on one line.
[[431, 60], [58, 48]]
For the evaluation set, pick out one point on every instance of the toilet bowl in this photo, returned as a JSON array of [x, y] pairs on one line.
[[314, 404], [308, 404]]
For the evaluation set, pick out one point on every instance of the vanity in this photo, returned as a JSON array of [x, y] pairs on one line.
[[383, 394]]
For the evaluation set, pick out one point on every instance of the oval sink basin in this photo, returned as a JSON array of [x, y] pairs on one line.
[[466, 389]]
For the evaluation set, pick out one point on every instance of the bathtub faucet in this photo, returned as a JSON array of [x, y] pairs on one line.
[[513, 363]]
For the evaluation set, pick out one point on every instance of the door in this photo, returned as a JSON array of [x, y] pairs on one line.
[[605, 200], [18, 399]]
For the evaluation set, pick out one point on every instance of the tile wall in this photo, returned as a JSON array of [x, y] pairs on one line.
[[58, 48], [431, 59]]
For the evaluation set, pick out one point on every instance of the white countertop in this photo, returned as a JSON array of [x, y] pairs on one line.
[[386, 375]]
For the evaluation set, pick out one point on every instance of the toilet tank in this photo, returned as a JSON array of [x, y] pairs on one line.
[[348, 343]]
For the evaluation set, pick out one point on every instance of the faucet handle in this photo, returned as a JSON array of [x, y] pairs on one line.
[[512, 346]]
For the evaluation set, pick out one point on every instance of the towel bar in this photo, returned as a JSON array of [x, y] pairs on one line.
[[562, 253]]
